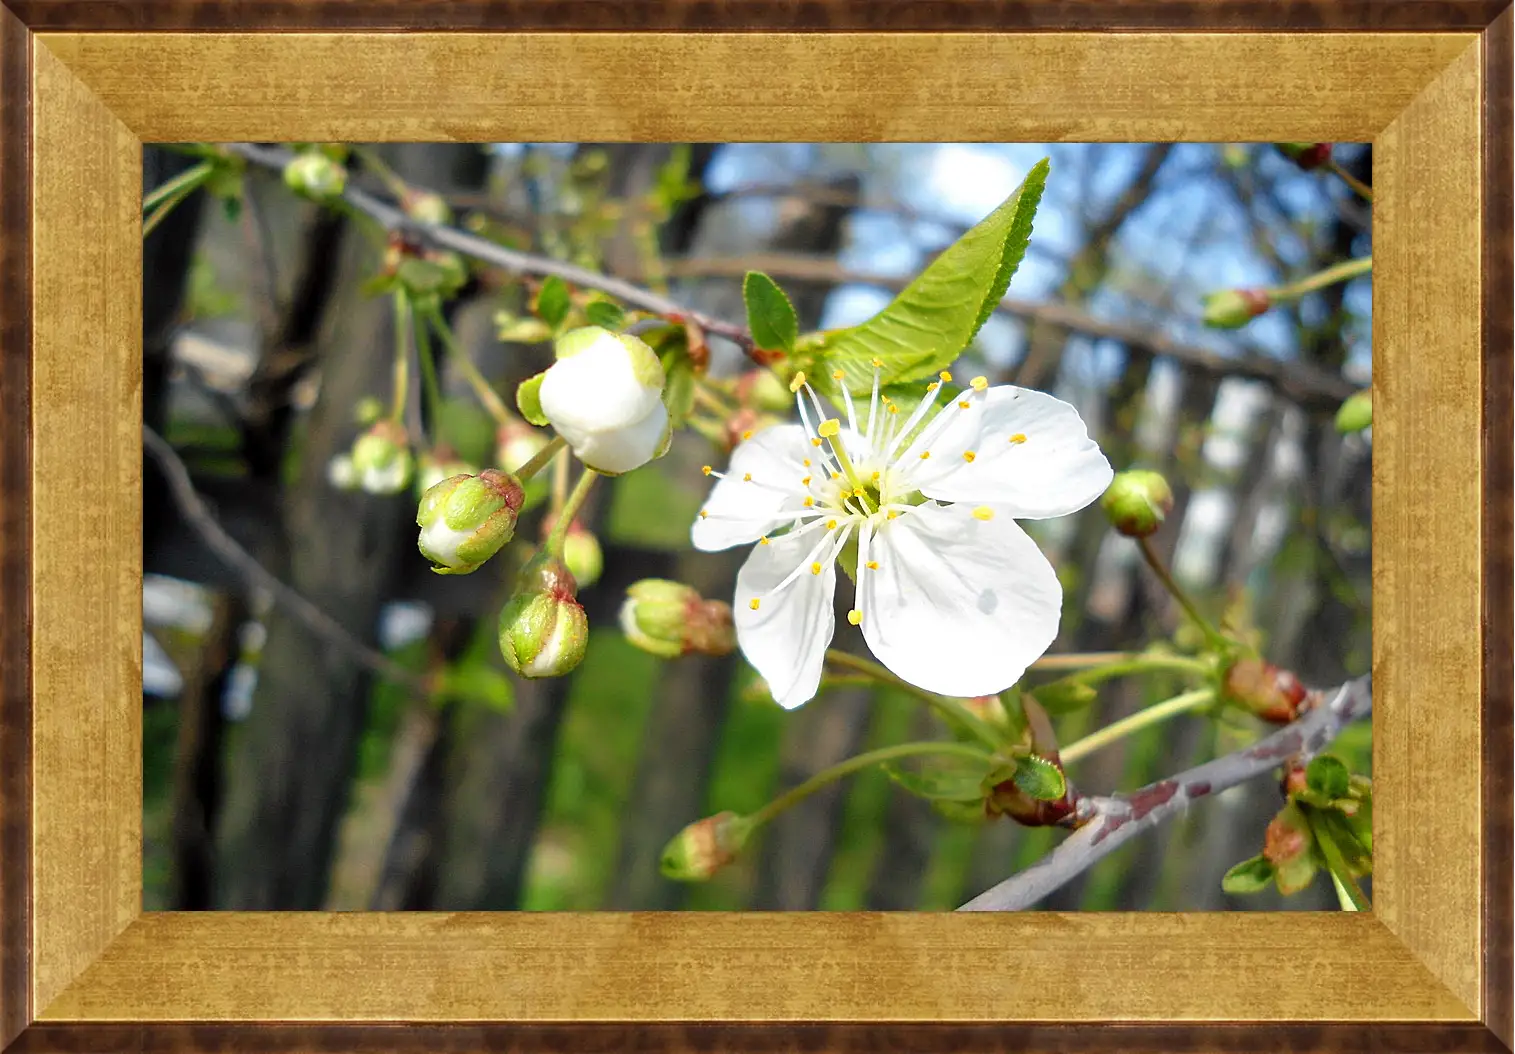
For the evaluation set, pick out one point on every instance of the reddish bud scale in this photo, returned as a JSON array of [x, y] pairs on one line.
[[1312, 156], [1282, 841], [1257, 300], [1006, 799], [768, 356], [708, 628], [1264, 689], [1294, 779]]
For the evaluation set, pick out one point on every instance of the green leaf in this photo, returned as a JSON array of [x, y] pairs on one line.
[[553, 301], [960, 811], [1249, 876], [1039, 778], [770, 315], [1328, 777], [479, 682], [1065, 696], [926, 327], [957, 781], [605, 314], [529, 400]]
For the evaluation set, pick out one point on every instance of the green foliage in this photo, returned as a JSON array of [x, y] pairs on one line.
[[553, 302], [205, 297], [770, 315], [951, 779], [926, 327], [1249, 876], [606, 314], [1064, 696], [1327, 776], [529, 400], [468, 429], [678, 388], [1039, 778]]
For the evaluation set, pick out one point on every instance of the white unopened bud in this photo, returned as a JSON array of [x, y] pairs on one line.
[[382, 460], [604, 395]]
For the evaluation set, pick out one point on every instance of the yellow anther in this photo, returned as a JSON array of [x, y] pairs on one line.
[[806, 481], [747, 434], [703, 513], [1018, 438], [809, 502], [855, 617], [815, 442], [969, 455], [829, 427], [815, 569], [945, 376], [925, 455], [747, 477], [706, 469], [762, 541], [806, 462], [893, 409], [983, 512], [892, 514], [837, 375], [875, 477], [878, 363], [963, 404], [873, 565], [798, 382], [830, 525], [933, 386], [753, 603], [978, 384]]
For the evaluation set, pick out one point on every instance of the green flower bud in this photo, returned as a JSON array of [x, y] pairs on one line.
[[465, 519], [427, 207], [517, 443], [1136, 502], [1234, 308], [436, 465], [705, 846], [1356, 413], [368, 410], [543, 628], [762, 390], [669, 619], [582, 554], [1306, 155], [313, 174], [381, 457]]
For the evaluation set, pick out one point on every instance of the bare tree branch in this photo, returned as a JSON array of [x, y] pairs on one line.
[[1108, 823], [199, 516]]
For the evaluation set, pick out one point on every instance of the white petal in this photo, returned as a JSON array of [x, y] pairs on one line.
[[596, 390], [786, 638], [1055, 470], [958, 605], [740, 510], [623, 449]]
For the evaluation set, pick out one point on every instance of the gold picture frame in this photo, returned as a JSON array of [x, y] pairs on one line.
[[83, 86]]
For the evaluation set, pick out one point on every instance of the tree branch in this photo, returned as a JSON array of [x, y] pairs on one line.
[[393, 219], [199, 516], [1108, 823]]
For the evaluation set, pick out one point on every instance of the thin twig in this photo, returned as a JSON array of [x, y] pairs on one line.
[[1108, 823], [195, 512]]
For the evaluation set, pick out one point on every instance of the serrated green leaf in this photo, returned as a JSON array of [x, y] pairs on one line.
[[605, 314], [1328, 777], [1249, 876], [927, 326], [770, 315], [1039, 778], [553, 301], [529, 400], [959, 780]]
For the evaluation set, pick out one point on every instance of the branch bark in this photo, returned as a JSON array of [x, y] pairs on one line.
[[1107, 823]]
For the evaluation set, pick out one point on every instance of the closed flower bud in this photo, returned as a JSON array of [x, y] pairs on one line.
[[433, 467], [705, 846], [315, 175], [466, 519], [670, 619], [1356, 413], [368, 410], [1136, 502], [1234, 308], [426, 207], [341, 473], [1267, 691], [381, 457], [543, 628], [1306, 155], [582, 554], [604, 395], [762, 390]]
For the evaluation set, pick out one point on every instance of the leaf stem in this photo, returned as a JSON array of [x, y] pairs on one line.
[[1359, 188], [950, 709], [1136, 664], [539, 460], [1342, 272], [179, 187], [1152, 715], [1080, 660], [428, 372], [856, 764], [402, 356], [379, 167], [482, 388], [1155, 563]]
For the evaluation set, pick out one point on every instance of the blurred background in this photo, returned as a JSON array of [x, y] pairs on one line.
[[281, 772]]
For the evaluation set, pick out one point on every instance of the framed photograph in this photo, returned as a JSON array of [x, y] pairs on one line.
[[756, 527]]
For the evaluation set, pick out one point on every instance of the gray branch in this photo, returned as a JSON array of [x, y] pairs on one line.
[[1108, 823]]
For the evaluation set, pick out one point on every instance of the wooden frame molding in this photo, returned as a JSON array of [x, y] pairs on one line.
[[84, 85]]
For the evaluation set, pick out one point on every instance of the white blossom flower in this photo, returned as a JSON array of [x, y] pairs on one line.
[[951, 594], [604, 395]]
